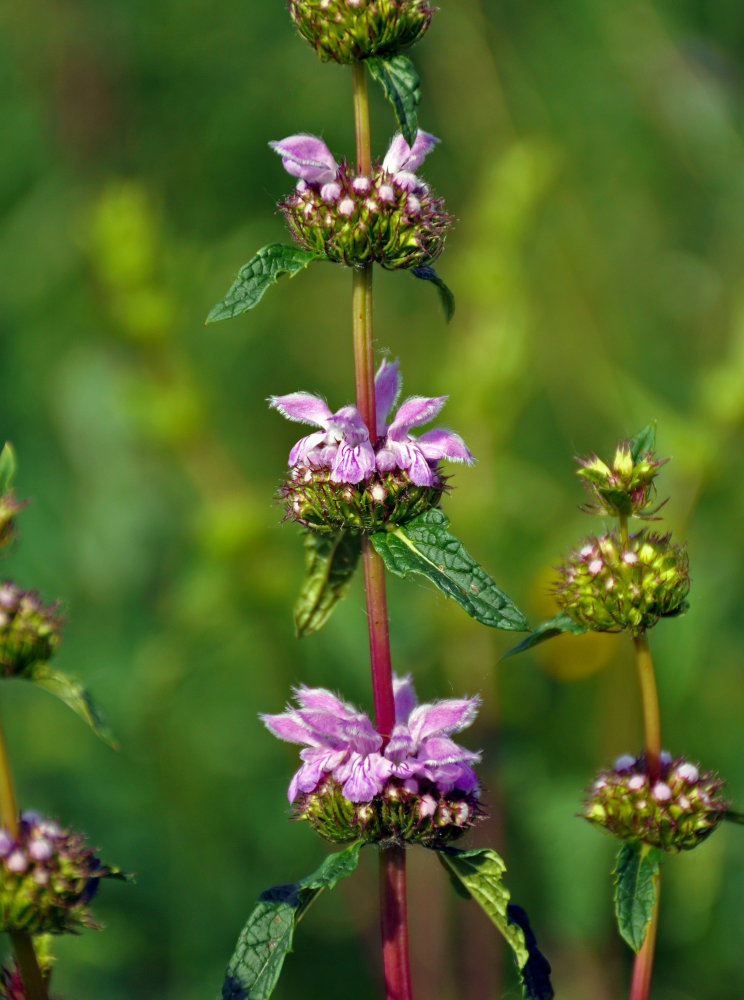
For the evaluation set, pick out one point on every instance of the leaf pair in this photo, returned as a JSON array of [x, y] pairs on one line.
[[267, 937]]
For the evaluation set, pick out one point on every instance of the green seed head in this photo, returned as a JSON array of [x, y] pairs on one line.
[[624, 489], [609, 587], [675, 813], [395, 816], [29, 630], [347, 31]]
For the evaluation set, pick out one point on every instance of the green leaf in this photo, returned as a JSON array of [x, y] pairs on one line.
[[261, 271], [330, 561], [558, 625], [424, 546], [478, 873], [401, 85], [266, 939], [74, 696], [7, 467], [644, 441], [635, 874], [734, 817], [446, 296]]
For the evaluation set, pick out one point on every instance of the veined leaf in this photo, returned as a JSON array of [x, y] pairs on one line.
[[479, 874], [636, 876], [266, 939], [261, 271], [330, 561], [74, 696], [560, 624], [644, 441], [446, 296], [425, 546], [400, 83], [7, 467]]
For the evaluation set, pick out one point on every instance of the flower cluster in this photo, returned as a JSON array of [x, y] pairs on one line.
[[341, 479], [675, 813], [624, 489], [418, 786], [391, 217], [29, 630], [47, 878], [347, 31], [607, 586]]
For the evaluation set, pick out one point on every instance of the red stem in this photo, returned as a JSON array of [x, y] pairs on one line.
[[394, 923], [644, 960]]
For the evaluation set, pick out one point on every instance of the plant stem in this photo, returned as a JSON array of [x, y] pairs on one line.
[[23, 948], [393, 910], [644, 961], [650, 699]]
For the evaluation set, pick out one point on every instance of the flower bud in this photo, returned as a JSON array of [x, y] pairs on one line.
[[356, 220], [675, 813], [47, 878], [9, 507], [608, 587], [399, 814], [29, 630], [624, 489], [346, 31], [312, 498]]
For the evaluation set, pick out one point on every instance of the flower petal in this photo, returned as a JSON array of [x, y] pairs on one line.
[[439, 718], [440, 750], [439, 443], [302, 449], [288, 726], [414, 411], [400, 156], [387, 387], [409, 456], [367, 776], [303, 407], [308, 157], [405, 697], [324, 700]]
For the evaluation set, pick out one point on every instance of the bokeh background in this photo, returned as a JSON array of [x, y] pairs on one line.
[[592, 153]]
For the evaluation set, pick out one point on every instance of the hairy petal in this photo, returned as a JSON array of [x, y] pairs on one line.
[[414, 411], [352, 464], [400, 156], [324, 700], [306, 156], [404, 696], [387, 387], [409, 456], [301, 450], [440, 750], [442, 717], [303, 407], [290, 727], [439, 443]]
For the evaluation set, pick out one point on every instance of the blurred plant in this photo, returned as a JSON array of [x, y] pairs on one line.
[[363, 487]]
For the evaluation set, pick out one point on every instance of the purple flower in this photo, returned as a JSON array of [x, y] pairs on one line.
[[401, 160], [341, 743], [343, 445], [307, 157]]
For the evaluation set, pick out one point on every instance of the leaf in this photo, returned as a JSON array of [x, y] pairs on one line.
[[644, 441], [446, 296], [266, 939], [74, 696], [479, 873], [401, 85], [7, 467], [424, 546], [261, 271], [558, 625], [330, 561], [734, 817], [635, 874]]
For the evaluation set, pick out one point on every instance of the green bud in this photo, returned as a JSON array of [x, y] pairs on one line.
[[313, 499], [397, 815], [9, 507], [624, 489], [29, 630], [608, 587], [676, 813], [347, 31]]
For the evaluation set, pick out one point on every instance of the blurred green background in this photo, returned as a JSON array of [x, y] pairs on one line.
[[592, 153]]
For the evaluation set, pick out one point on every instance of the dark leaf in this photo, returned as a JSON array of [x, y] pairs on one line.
[[400, 83], [446, 296], [560, 624], [74, 696], [635, 874]]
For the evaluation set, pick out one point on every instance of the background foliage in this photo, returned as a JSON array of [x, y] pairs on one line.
[[593, 153]]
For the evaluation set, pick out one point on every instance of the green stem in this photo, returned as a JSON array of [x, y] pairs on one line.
[[8, 802], [644, 960], [650, 700], [623, 518]]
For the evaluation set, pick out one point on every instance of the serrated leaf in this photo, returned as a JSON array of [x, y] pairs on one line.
[[255, 277], [479, 873], [560, 624], [266, 939], [636, 873], [75, 697], [401, 85], [446, 296], [7, 467], [425, 546], [330, 562], [644, 441]]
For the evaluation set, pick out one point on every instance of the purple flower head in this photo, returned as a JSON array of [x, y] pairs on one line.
[[307, 157], [341, 743], [402, 160], [343, 445]]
